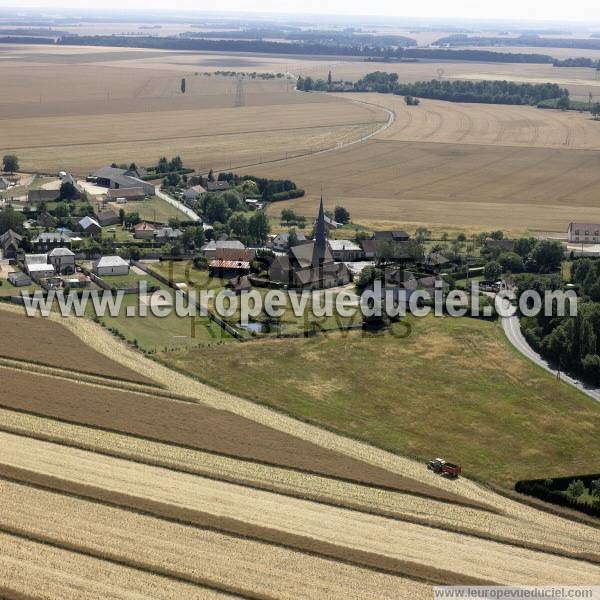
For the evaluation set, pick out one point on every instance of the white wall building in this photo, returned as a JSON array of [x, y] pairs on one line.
[[584, 232]]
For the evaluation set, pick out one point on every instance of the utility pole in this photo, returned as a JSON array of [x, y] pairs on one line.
[[240, 97]]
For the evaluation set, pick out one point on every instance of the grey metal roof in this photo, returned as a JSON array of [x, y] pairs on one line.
[[61, 252], [87, 222], [111, 261], [339, 245]]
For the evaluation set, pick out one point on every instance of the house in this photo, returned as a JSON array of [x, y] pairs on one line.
[[49, 240], [228, 268], [345, 250], [38, 267], [391, 236], [45, 220], [209, 250], [240, 284], [90, 226], [144, 231], [280, 242], [19, 279], [78, 190], [310, 265], [10, 242], [107, 218], [239, 254], [434, 261], [119, 179], [331, 223], [63, 261], [168, 233], [584, 233], [4, 183], [192, 193], [217, 186], [110, 265], [369, 248], [120, 194], [37, 196]]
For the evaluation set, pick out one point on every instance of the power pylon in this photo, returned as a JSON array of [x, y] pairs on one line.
[[240, 95]]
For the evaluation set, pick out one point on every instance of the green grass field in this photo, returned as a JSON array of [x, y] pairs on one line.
[[453, 388], [153, 209]]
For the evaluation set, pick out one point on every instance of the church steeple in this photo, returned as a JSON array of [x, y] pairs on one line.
[[320, 246]]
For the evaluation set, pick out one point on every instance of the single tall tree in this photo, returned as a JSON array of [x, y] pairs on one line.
[[10, 163]]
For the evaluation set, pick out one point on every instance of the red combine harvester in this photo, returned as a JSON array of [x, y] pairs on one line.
[[439, 465]]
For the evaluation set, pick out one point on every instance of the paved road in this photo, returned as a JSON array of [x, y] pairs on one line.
[[190, 214], [512, 329]]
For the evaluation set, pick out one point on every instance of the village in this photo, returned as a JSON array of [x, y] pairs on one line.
[[122, 225]]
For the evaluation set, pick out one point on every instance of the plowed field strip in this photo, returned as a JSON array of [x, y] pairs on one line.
[[196, 426]]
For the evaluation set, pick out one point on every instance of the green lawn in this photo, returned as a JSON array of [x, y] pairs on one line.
[[153, 209], [184, 272], [452, 388], [7, 289], [121, 282]]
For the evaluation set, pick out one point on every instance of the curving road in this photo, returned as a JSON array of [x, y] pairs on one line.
[[512, 330]]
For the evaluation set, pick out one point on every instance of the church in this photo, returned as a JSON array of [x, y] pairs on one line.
[[310, 264]]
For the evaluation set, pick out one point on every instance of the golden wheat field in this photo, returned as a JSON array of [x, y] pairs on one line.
[[63, 109]]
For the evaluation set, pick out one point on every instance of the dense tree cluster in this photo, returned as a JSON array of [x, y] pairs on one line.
[[533, 41], [490, 92]]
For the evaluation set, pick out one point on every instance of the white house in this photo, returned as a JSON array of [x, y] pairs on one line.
[[63, 261], [110, 265], [584, 232]]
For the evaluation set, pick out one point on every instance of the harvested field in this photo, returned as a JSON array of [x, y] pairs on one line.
[[196, 555], [40, 340], [32, 570], [77, 111], [388, 183], [442, 122], [555, 535], [403, 548], [193, 425]]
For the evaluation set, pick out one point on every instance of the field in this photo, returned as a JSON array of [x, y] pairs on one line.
[[195, 479], [153, 209], [496, 412], [43, 341], [457, 165], [81, 110]]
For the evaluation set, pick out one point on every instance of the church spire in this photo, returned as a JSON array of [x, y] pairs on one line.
[[320, 246]]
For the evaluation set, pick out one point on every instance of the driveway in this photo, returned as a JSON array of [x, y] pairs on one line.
[[512, 330]]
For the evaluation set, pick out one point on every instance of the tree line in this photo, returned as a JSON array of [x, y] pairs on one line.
[[489, 92]]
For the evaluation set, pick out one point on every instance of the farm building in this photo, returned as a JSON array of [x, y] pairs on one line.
[[110, 265], [391, 236], [242, 254], [78, 191], [63, 261], [584, 232], [168, 233], [4, 183], [49, 240], [228, 268], [217, 186], [132, 193], [192, 193], [90, 226], [144, 231], [280, 242], [10, 242], [107, 217], [119, 179], [38, 267], [209, 250], [37, 196], [345, 250], [19, 279]]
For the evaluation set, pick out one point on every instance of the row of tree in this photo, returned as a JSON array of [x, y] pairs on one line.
[[486, 91]]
